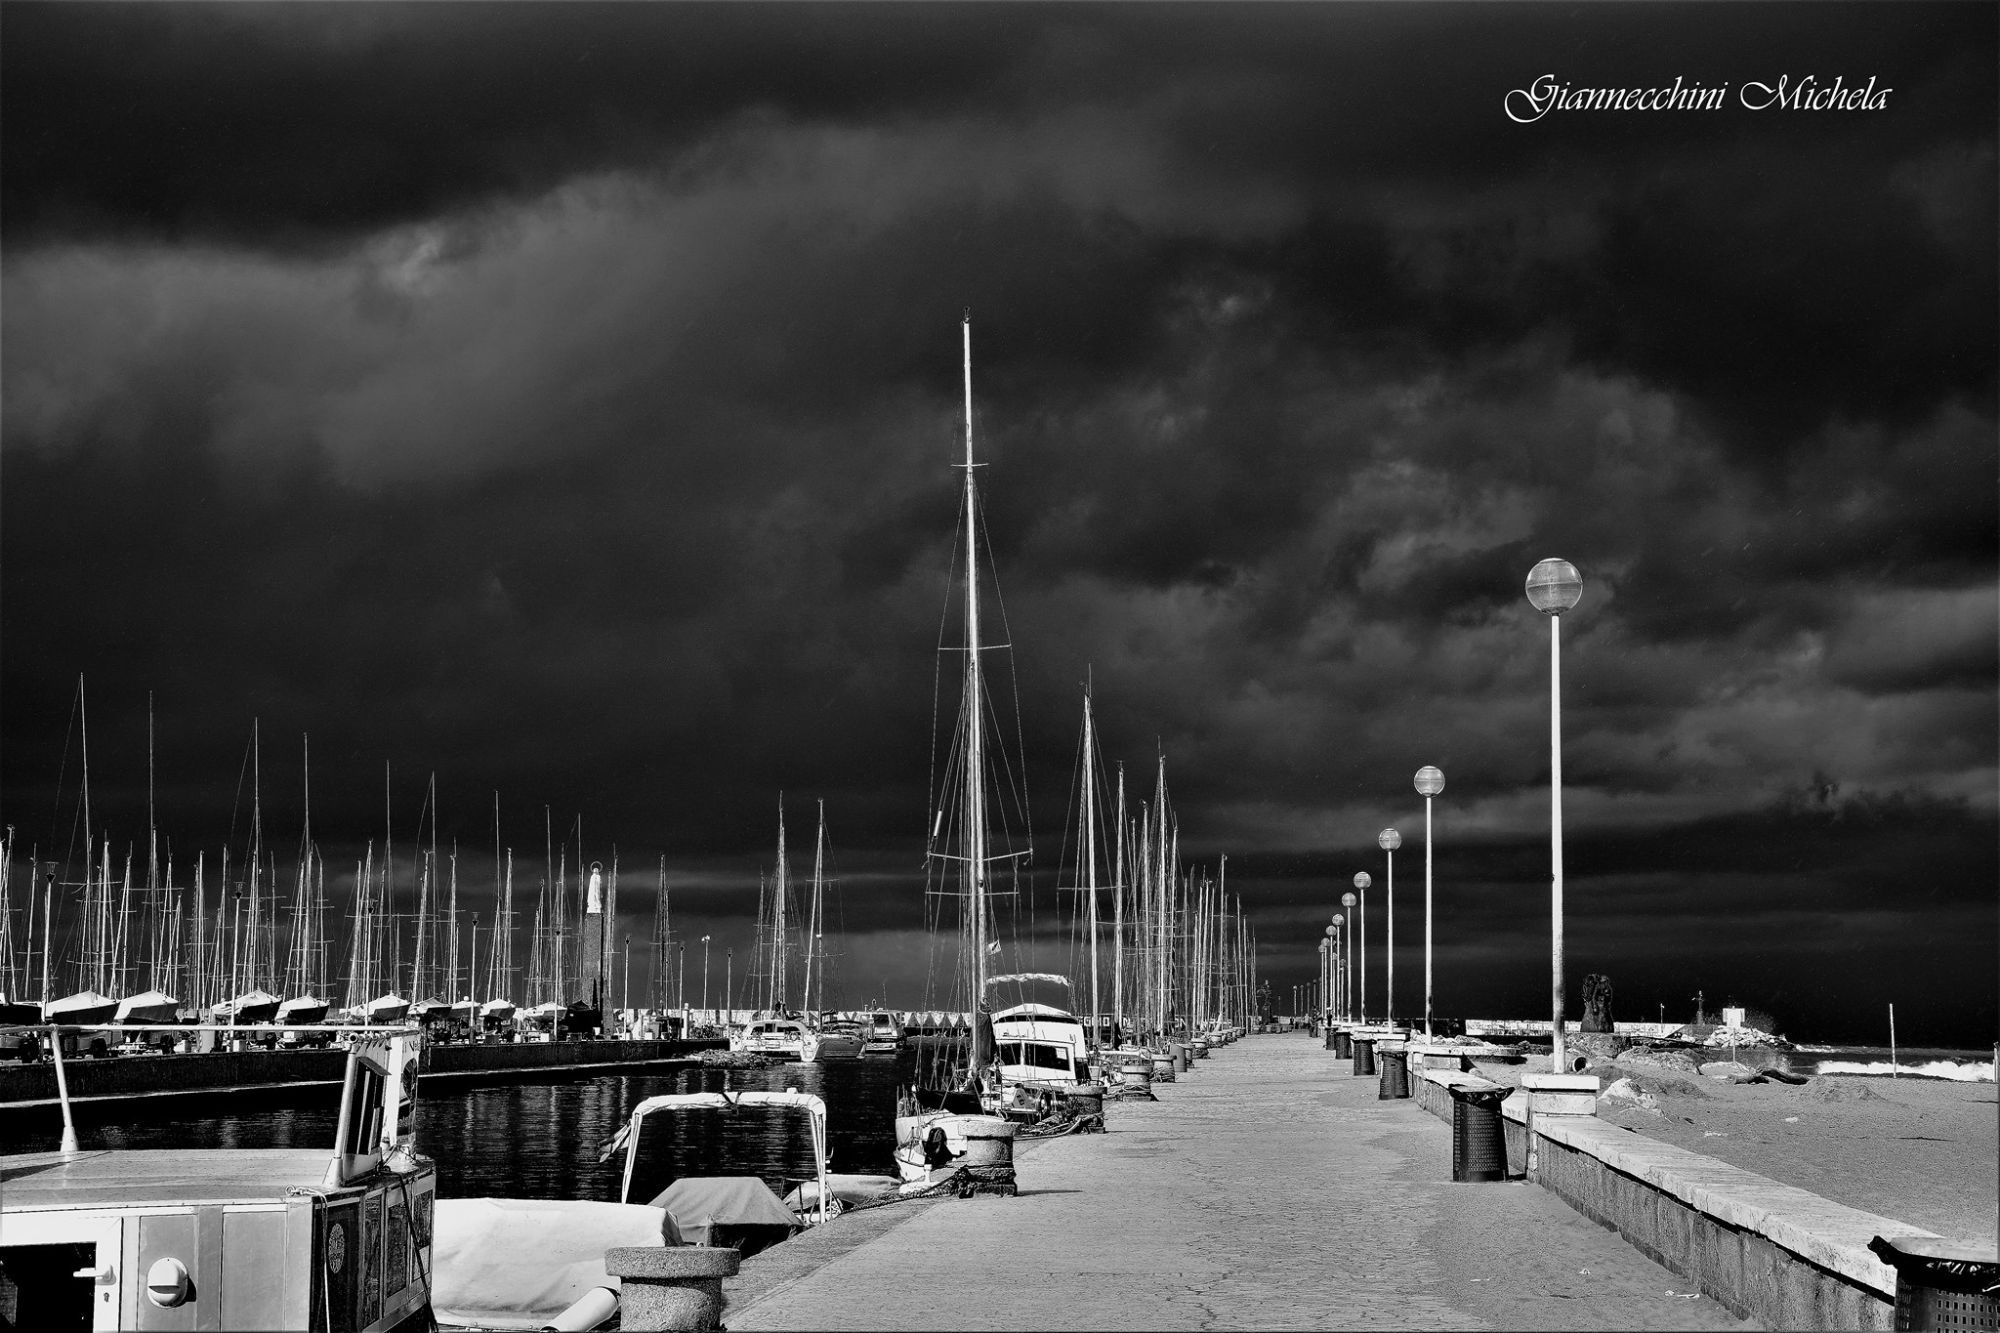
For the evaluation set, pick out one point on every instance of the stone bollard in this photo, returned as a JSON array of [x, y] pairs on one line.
[[1556, 1095], [676, 1287]]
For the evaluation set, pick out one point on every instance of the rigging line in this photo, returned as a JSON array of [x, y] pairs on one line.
[[1013, 677]]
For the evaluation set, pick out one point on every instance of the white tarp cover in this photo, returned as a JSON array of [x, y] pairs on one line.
[[518, 1263]]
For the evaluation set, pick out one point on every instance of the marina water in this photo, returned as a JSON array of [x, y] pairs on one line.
[[541, 1140]]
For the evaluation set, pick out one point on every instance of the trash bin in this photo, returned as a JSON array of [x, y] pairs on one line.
[[1180, 1057], [1942, 1285], [1364, 1055], [1332, 1038], [1478, 1135], [1343, 1044], [1395, 1075]]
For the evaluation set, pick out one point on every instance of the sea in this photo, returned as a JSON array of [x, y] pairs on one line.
[[543, 1140]]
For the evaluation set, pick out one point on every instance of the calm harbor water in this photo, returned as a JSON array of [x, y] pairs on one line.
[[541, 1140]]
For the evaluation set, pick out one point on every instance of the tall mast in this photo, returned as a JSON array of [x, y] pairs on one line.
[[975, 743], [1118, 920], [816, 922], [1090, 859], [780, 963]]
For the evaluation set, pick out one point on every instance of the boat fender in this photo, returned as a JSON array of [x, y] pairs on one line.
[[937, 1150]]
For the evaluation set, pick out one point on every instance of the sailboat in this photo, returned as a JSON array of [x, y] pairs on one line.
[[828, 1036], [949, 1132]]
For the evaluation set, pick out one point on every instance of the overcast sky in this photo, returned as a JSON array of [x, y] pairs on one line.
[[561, 398]]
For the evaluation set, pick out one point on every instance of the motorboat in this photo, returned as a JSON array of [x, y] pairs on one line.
[[277, 1238], [832, 1039], [700, 1209], [1039, 1052], [940, 1136], [883, 1035], [780, 1038]]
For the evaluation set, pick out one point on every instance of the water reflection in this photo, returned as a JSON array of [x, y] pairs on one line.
[[541, 1140]]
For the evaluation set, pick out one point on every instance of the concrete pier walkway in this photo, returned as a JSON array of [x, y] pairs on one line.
[[1267, 1189]]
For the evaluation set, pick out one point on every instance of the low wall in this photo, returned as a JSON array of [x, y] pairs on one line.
[[1766, 1251], [151, 1075]]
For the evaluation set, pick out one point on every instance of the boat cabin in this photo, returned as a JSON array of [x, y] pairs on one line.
[[278, 1238]]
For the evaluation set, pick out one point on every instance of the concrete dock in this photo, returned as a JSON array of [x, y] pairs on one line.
[[1267, 1189]]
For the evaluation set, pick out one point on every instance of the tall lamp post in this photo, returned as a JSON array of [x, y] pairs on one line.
[[1347, 900], [1326, 996], [1318, 987], [1339, 967], [1361, 883], [1430, 781], [1554, 587], [1389, 840], [704, 980]]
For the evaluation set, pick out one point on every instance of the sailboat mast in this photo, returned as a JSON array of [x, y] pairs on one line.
[[975, 747], [780, 982], [1118, 889], [1090, 859], [816, 923]]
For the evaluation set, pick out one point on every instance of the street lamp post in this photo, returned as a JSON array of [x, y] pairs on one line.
[[1361, 883], [704, 980], [1339, 967], [1554, 587], [1327, 998], [1389, 840], [1430, 781], [1347, 900]]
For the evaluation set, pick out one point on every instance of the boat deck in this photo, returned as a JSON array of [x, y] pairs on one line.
[[1267, 1189], [156, 1176]]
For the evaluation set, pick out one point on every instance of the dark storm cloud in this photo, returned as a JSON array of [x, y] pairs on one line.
[[562, 399]]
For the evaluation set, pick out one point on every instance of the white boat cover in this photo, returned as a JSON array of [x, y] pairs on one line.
[[497, 1009], [736, 1211], [153, 1006], [518, 1263], [302, 1009], [86, 1006]]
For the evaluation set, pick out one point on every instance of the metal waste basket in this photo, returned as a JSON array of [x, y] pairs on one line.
[[1364, 1055], [1332, 1038], [1343, 1044], [1478, 1135], [1395, 1075], [1940, 1285]]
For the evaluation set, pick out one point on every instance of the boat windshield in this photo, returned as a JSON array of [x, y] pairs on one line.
[[1035, 1053]]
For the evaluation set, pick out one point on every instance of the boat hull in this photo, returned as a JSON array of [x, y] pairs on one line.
[[966, 1140]]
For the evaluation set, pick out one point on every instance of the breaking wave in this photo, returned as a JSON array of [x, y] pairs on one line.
[[1967, 1071]]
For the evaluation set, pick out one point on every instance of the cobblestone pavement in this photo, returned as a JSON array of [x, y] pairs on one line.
[[1267, 1189]]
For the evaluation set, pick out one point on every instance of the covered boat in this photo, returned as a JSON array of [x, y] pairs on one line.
[[699, 1205], [520, 1263], [86, 1007], [303, 1011], [734, 1212], [153, 1006], [257, 1006], [390, 1008]]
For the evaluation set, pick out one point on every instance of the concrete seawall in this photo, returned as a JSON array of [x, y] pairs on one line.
[[1764, 1250]]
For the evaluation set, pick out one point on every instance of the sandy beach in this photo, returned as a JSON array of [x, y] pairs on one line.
[[1923, 1151]]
